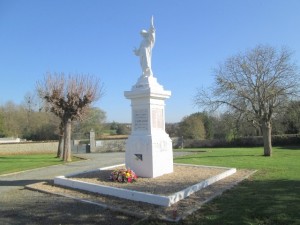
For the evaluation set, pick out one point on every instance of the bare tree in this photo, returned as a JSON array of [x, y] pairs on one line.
[[29, 104], [257, 84], [69, 98]]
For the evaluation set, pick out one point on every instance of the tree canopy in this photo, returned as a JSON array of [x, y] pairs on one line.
[[94, 119], [69, 98], [192, 127], [257, 84]]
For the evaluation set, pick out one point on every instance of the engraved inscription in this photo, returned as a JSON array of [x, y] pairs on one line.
[[141, 120], [157, 118], [161, 146]]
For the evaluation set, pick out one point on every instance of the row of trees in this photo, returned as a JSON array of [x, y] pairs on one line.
[[254, 88], [40, 125], [229, 125], [19, 121]]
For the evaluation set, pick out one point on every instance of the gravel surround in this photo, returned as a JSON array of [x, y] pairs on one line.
[[175, 212], [183, 176], [164, 190]]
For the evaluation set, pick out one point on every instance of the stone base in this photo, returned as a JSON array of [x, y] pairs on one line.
[[152, 198], [149, 155]]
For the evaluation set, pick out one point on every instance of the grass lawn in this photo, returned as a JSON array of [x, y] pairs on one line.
[[270, 197], [16, 163]]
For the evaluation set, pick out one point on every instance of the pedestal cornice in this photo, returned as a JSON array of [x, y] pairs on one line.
[[147, 87]]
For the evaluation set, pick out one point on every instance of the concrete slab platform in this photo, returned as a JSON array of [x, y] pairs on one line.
[[162, 200]]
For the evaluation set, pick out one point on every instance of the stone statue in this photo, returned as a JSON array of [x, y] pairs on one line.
[[145, 50]]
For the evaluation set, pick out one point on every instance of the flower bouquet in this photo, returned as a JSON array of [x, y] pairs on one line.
[[123, 176]]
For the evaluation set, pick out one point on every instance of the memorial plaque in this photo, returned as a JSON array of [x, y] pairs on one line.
[[157, 119], [141, 120]]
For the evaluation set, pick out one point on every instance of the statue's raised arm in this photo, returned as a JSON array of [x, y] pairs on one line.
[[152, 30], [145, 49], [152, 22]]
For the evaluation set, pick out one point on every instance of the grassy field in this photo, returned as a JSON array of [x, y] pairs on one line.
[[16, 163], [270, 197]]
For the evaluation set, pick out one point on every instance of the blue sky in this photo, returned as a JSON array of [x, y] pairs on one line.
[[97, 38]]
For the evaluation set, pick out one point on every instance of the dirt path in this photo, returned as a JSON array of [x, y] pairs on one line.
[[20, 207]]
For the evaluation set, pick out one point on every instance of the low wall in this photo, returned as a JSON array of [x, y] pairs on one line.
[[118, 145], [107, 145], [112, 145], [28, 148]]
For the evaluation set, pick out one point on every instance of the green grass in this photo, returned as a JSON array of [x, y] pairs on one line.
[[16, 163], [270, 197], [285, 162]]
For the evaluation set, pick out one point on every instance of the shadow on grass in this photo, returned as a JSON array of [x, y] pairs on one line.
[[188, 150], [254, 202], [9, 183], [28, 208], [273, 202], [289, 148], [215, 156]]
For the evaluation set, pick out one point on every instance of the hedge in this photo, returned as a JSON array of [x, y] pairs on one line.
[[277, 140]]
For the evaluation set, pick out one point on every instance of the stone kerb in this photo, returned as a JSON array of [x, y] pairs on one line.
[[156, 199]]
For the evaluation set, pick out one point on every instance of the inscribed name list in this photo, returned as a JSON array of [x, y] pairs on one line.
[[141, 119]]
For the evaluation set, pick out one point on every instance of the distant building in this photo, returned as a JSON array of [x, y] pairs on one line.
[[10, 140]]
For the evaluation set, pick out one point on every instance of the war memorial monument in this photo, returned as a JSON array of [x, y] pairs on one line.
[[149, 147], [149, 150]]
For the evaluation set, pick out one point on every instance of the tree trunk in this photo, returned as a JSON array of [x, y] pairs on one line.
[[60, 148], [67, 141], [266, 130]]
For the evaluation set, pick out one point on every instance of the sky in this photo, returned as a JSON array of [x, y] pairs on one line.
[[97, 38]]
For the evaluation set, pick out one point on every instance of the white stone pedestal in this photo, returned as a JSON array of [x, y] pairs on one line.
[[149, 148]]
